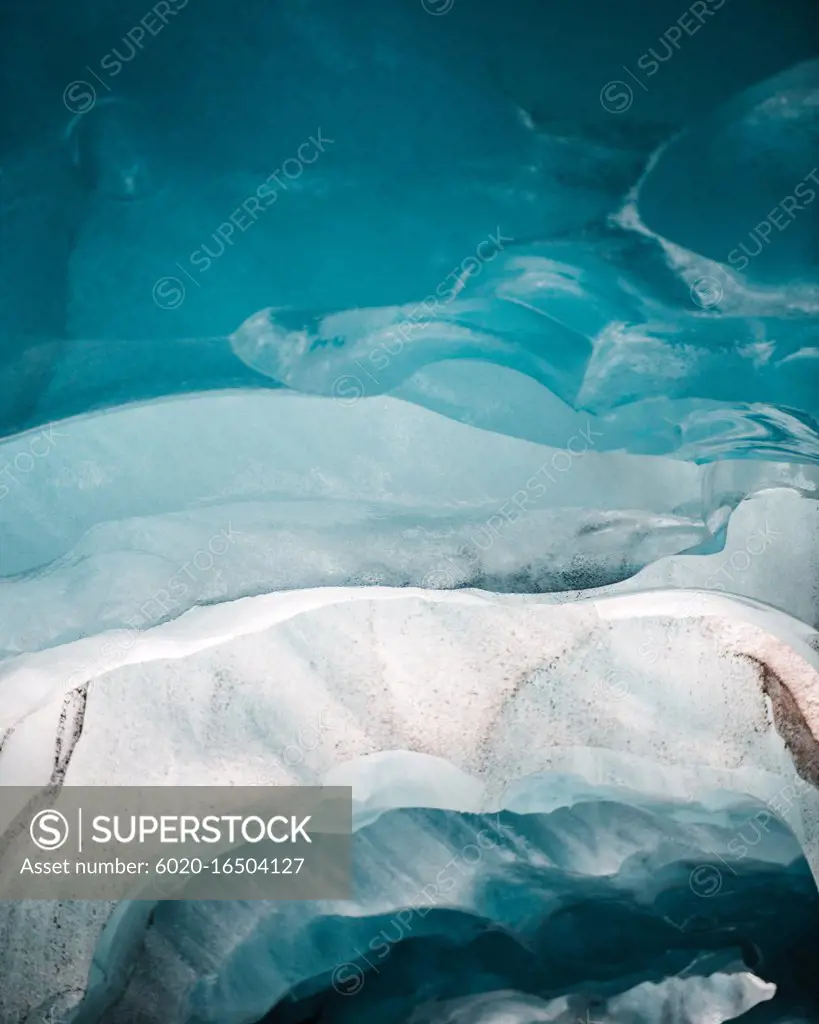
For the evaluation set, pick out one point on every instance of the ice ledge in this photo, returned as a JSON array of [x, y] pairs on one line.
[[680, 694], [30, 681]]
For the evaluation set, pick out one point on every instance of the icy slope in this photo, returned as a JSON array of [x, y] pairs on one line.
[[676, 698], [264, 492]]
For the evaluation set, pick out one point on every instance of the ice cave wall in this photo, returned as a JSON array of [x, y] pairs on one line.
[[617, 701], [604, 411]]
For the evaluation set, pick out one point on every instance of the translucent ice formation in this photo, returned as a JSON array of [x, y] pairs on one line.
[[741, 186], [652, 333], [264, 492], [562, 320], [392, 396]]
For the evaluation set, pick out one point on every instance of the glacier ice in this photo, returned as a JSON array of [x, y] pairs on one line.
[[474, 466], [109, 151], [265, 494], [606, 316], [724, 185], [527, 709]]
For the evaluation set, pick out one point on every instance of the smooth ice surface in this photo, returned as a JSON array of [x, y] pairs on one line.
[[467, 347], [512, 323], [342, 283], [628, 399]]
